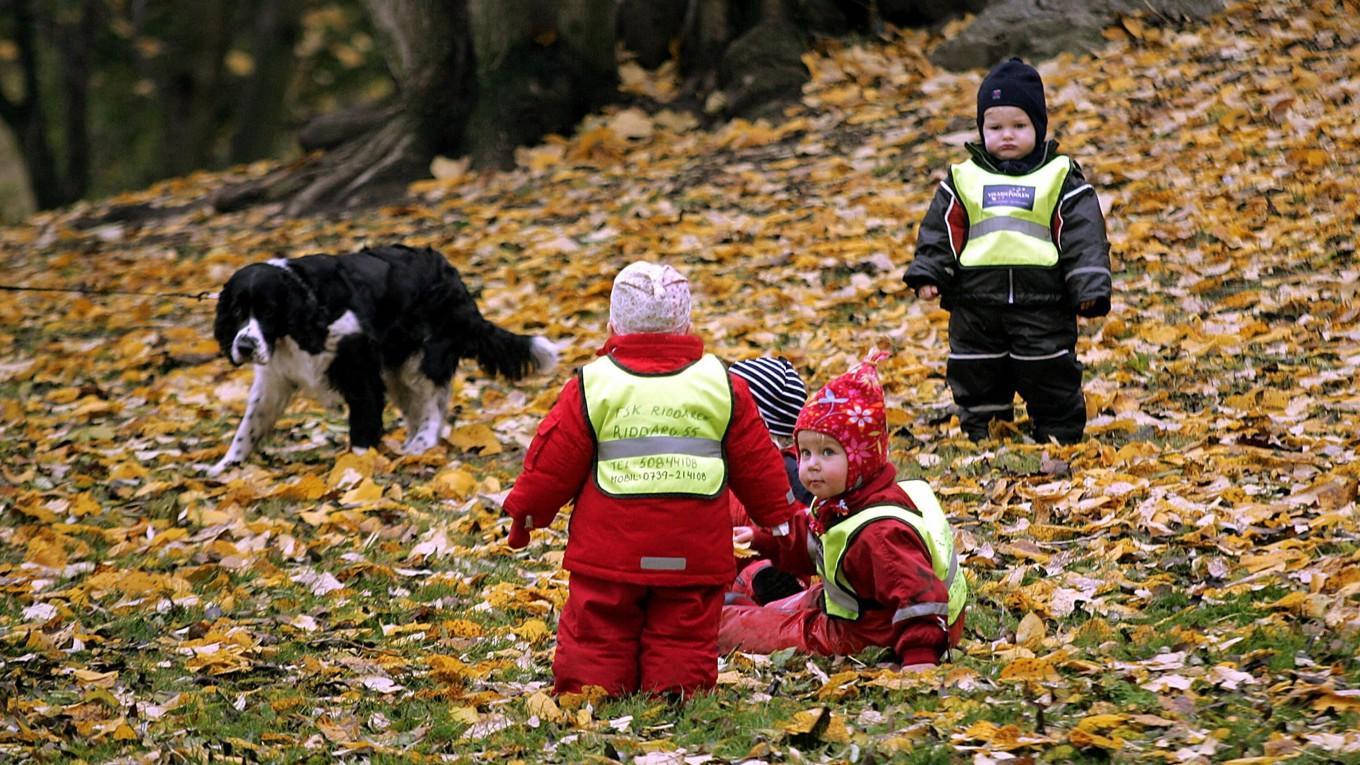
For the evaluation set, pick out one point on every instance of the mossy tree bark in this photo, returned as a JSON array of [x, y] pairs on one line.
[[474, 77]]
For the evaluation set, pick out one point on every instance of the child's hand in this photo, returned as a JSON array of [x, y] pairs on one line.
[[927, 292]]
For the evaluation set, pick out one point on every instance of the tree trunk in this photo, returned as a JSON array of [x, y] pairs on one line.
[[76, 42], [588, 26], [707, 33], [259, 117], [26, 115], [542, 65], [428, 47], [430, 54], [476, 77], [190, 84]]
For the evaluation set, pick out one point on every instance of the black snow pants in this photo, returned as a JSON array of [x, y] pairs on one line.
[[998, 351]]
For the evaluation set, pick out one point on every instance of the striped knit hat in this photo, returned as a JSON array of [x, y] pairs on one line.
[[778, 390]]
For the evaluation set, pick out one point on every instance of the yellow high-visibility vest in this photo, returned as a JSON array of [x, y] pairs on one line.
[[929, 521], [1010, 216], [659, 435]]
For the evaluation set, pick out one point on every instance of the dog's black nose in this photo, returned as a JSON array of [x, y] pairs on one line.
[[245, 348]]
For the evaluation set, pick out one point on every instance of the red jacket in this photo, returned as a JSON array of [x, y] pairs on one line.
[[609, 536], [888, 566]]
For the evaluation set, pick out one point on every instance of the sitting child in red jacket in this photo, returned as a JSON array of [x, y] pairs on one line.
[[646, 441], [875, 551]]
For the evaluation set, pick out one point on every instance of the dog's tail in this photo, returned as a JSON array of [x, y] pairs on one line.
[[502, 352]]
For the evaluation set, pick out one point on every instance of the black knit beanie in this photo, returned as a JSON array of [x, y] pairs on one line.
[[1015, 83]]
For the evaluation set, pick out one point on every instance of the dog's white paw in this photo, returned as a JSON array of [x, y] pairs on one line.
[[221, 467], [418, 445]]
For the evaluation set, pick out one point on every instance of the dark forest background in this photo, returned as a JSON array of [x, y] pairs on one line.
[[356, 97]]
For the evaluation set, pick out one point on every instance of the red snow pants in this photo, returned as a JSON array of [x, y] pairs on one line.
[[796, 622], [632, 637]]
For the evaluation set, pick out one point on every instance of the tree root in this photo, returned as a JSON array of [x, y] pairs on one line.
[[373, 166]]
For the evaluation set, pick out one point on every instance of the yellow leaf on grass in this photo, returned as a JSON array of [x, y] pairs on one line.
[[447, 669], [1100, 722], [318, 516], [836, 731], [365, 492], [1030, 632], [127, 471], [1340, 701], [453, 483], [124, 732], [305, 488], [1291, 602], [461, 628], [478, 439], [533, 630], [350, 467], [85, 505], [806, 721], [839, 686], [464, 714], [542, 705], [45, 553], [91, 679], [1083, 739], [1029, 670], [1003, 737], [819, 723]]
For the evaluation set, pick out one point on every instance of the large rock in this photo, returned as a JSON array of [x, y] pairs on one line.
[[1040, 29]]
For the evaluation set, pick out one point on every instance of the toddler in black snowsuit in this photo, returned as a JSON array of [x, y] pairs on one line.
[[1014, 246]]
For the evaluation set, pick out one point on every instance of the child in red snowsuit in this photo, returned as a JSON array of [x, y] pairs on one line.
[[646, 441], [879, 586]]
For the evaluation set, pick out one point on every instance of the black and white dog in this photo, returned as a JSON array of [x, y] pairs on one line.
[[357, 327]]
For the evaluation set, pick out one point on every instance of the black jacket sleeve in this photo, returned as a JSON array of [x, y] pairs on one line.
[[1084, 250], [936, 262]]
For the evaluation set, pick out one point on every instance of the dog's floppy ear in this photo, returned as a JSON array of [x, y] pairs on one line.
[[224, 325]]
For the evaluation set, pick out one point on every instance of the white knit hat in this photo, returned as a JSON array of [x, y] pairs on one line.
[[648, 297]]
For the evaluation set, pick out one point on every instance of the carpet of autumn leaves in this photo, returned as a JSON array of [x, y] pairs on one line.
[[1184, 586]]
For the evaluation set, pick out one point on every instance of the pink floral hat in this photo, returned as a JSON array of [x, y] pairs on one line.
[[850, 410]]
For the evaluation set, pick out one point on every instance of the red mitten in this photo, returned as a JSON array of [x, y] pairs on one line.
[[519, 536]]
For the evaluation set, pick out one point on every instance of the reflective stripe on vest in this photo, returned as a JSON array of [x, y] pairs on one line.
[[929, 522], [649, 449], [1010, 216]]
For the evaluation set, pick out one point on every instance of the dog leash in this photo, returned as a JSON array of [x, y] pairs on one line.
[[90, 291]]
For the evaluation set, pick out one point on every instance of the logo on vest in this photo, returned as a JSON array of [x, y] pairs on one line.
[[1008, 196]]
